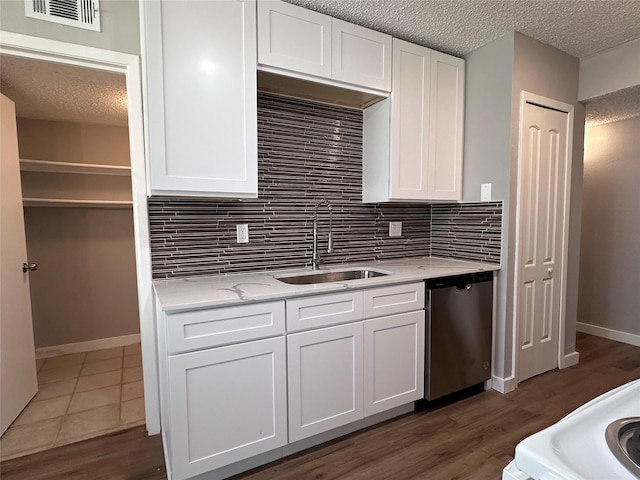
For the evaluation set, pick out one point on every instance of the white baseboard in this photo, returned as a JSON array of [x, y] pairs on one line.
[[624, 337], [569, 360], [504, 385], [100, 344]]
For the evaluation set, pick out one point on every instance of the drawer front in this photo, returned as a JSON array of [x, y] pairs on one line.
[[219, 326], [323, 310], [393, 300]]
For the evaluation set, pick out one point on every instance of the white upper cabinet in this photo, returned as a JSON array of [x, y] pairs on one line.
[[361, 56], [305, 44], [446, 119], [294, 38], [201, 112], [412, 142]]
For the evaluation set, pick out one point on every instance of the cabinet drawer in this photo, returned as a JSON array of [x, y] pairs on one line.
[[323, 310], [394, 299], [218, 326]]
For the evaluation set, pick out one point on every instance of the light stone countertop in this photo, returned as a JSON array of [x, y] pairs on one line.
[[225, 290]]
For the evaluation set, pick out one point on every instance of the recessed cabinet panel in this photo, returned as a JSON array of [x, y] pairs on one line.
[[394, 361], [446, 132], [409, 121], [294, 38], [227, 404], [201, 87], [361, 56], [325, 374]]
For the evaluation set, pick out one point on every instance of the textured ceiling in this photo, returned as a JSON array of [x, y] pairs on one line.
[[578, 27], [620, 105], [54, 91]]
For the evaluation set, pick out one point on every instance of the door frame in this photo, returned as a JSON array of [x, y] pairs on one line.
[[562, 360], [36, 48]]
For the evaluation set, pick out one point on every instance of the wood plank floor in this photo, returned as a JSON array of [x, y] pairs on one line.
[[472, 438]]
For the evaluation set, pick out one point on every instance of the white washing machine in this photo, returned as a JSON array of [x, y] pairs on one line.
[[598, 441]]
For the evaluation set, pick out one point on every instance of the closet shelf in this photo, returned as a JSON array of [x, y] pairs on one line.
[[27, 165], [62, 202]]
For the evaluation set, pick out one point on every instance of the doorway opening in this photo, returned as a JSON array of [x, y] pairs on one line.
[[66, 190]]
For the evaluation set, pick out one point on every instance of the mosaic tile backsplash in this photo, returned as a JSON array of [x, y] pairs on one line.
[[308, 151]]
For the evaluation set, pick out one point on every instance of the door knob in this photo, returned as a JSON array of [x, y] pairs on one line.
[[29, 267], [550, 271]]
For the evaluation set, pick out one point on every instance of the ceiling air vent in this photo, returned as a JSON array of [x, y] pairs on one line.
[[76, 13]]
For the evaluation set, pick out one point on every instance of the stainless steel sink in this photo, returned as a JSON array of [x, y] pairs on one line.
[[324, 277]]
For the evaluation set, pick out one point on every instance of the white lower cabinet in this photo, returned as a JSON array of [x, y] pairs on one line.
[[227, 404], [325, 373], [393, 361]]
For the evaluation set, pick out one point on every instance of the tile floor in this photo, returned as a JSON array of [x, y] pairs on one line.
[[80, 396]]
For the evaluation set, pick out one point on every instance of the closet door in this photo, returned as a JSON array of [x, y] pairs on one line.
[[18, 382]]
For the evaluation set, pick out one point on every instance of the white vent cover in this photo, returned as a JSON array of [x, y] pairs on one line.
[[76, 13]]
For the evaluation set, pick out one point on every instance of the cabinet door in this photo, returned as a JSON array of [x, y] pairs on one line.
[[393, 361], [361, 56], [409, 121], [294, 38], [201, 97], [325, 379], [446, 127], [226, 404]]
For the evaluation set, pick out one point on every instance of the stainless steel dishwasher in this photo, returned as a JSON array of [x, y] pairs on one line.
[[458, 343]]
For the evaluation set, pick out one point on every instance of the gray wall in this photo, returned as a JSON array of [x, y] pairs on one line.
[[120, 26], [547, 71], [85, 287], [610, 257], [496, 74], [487, 151]]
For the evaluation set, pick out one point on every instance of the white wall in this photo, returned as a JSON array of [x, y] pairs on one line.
[[609, 295], [120, 26]]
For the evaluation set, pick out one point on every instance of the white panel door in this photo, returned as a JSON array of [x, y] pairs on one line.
[[294, 38], [541, 213], [393, 361], [446, 127], [18, 382], [409, 121], [201, 97], [325, 372], [361, 56], [227, 404]]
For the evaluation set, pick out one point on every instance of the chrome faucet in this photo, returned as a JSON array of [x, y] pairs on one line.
[[315, 259]]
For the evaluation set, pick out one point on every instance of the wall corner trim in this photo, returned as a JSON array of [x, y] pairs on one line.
[[569, 360], [504, 385]]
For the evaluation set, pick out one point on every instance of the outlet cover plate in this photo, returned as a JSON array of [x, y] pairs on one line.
[[242, 233], [395, 229]]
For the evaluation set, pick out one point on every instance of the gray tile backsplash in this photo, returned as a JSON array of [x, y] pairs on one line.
[[308, 151]]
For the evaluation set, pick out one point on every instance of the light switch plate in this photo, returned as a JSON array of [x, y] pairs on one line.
[[485, 192], [395, 229], [242, 233]]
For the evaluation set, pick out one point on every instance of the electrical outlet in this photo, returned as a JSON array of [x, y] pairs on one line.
[[395, 229], [485, 192], [242, 232]]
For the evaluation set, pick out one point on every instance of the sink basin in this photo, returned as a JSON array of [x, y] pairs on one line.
[[324, 277]]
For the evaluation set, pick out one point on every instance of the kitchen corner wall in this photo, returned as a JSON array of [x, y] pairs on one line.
[[308, 151]]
